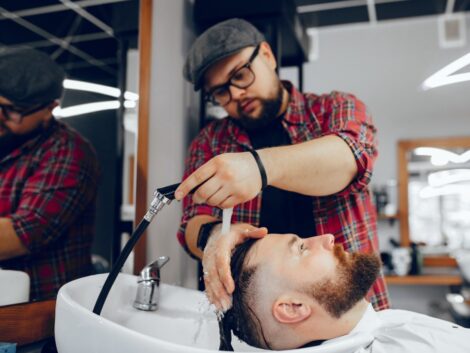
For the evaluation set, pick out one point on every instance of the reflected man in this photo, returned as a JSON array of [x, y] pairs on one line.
[[48, 177]]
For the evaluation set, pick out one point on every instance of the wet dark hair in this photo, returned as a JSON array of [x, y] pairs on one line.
[[240, 318]]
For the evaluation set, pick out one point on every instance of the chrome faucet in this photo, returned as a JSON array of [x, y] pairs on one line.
[[148, 290]]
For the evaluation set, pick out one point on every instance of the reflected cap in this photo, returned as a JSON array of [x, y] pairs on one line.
[[29, 77]]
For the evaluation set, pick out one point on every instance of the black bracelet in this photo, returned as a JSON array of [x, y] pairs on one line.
[[262, 171], [204, 234]]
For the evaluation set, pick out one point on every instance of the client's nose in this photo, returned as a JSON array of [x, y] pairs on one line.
[[327, 241]]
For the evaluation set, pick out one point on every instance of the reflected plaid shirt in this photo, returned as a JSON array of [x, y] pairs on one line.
[[48, 190], [349, 215]]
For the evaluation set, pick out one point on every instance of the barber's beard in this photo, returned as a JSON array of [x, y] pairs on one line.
[[269, 111], [355, 275]]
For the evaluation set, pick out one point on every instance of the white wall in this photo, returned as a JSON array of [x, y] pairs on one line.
[[173, 118], [385, 65]]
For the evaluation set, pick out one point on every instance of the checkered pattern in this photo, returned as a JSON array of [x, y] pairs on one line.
[[349, 215], [48, 190]]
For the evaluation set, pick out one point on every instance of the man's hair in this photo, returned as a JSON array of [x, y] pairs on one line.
[[240, 318]]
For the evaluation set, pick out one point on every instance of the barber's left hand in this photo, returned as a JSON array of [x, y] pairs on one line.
[[224, 181]]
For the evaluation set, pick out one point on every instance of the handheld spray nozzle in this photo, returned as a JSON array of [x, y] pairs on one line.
[[162, 196]]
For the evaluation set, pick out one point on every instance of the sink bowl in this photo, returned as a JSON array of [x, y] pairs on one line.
[[182, 322], [14, 287]]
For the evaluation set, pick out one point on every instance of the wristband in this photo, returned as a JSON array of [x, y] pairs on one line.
[[204, 234], [262, 171]]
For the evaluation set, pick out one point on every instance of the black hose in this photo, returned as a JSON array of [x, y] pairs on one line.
[[118, 265]]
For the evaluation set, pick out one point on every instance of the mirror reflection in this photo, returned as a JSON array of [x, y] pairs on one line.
[[438, 196], [69, 88]]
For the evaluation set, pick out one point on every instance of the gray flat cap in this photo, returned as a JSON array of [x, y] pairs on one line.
[[219, 41], [29, 77]]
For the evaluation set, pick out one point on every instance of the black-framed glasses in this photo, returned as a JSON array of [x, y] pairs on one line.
[[16, 115], [242, 78]]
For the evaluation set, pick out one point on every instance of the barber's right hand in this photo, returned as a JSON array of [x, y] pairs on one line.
[[216, 261]]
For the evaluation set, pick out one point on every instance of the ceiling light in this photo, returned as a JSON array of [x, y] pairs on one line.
[[100, 89], [85, 108], [446, 177], [446, 75], [429, 191], [440, 157]]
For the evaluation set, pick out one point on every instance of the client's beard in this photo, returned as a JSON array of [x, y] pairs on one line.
[[269, 111], [355, 276]]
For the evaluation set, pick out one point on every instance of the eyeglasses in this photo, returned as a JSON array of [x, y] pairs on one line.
[[242, 78], [16, 115]]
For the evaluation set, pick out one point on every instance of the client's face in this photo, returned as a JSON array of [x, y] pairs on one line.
[[318, 267]]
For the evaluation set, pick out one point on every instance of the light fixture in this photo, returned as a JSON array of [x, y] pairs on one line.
[[440, 157], [86, 108], [100, 89], [429, 191], [447, 76], [445, 177]]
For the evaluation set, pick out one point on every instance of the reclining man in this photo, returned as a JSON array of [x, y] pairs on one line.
[[292, 292]]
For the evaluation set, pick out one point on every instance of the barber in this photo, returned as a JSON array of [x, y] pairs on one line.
[[288, 162], [48, 177]]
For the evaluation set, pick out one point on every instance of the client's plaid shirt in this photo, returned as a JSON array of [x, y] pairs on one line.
[[48, 190], [349, 215]]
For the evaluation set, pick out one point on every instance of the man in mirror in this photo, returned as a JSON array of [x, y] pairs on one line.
[[292, 292], [290, 162], [48, 177]]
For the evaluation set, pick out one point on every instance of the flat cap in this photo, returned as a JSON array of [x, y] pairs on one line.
[[219, 41], [29, 77]]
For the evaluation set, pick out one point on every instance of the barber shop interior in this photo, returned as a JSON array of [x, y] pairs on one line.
[[234, 175]]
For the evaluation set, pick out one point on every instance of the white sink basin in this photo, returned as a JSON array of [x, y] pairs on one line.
[[14, 287], [182, 322]]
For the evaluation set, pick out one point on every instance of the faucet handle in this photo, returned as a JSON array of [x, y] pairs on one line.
[[152, 271]]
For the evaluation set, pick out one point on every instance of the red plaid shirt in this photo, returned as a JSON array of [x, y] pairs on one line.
[[47, 190], [349, 215]]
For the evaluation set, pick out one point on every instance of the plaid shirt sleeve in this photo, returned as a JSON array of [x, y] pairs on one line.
[[199, 153], [348, 118], [53, 197]]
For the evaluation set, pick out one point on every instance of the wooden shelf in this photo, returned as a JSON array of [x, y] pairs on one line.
[[27, 323], [384, 216], [426, 280]]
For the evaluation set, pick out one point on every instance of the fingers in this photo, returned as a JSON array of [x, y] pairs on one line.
[[215, 291], [203, 173], [224, 272], [205, 191], [255, 233]]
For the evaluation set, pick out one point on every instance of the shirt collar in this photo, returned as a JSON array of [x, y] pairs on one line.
[[295, 113]]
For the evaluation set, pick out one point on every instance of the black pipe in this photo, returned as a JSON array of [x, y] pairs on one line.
[[118, 265]]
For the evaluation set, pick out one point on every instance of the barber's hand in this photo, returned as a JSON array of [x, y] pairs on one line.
[[227, 180], [216, 261]]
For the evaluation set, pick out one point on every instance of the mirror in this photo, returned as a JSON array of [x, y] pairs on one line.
[[434, 185], [95, 43]]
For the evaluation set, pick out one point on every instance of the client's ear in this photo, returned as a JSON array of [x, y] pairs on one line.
[[289, 310]]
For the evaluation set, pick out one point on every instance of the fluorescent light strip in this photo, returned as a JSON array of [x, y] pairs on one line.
[[85, 109], [445, 76], [428, 191], [446, 177], [97, 88], [441, 157]]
